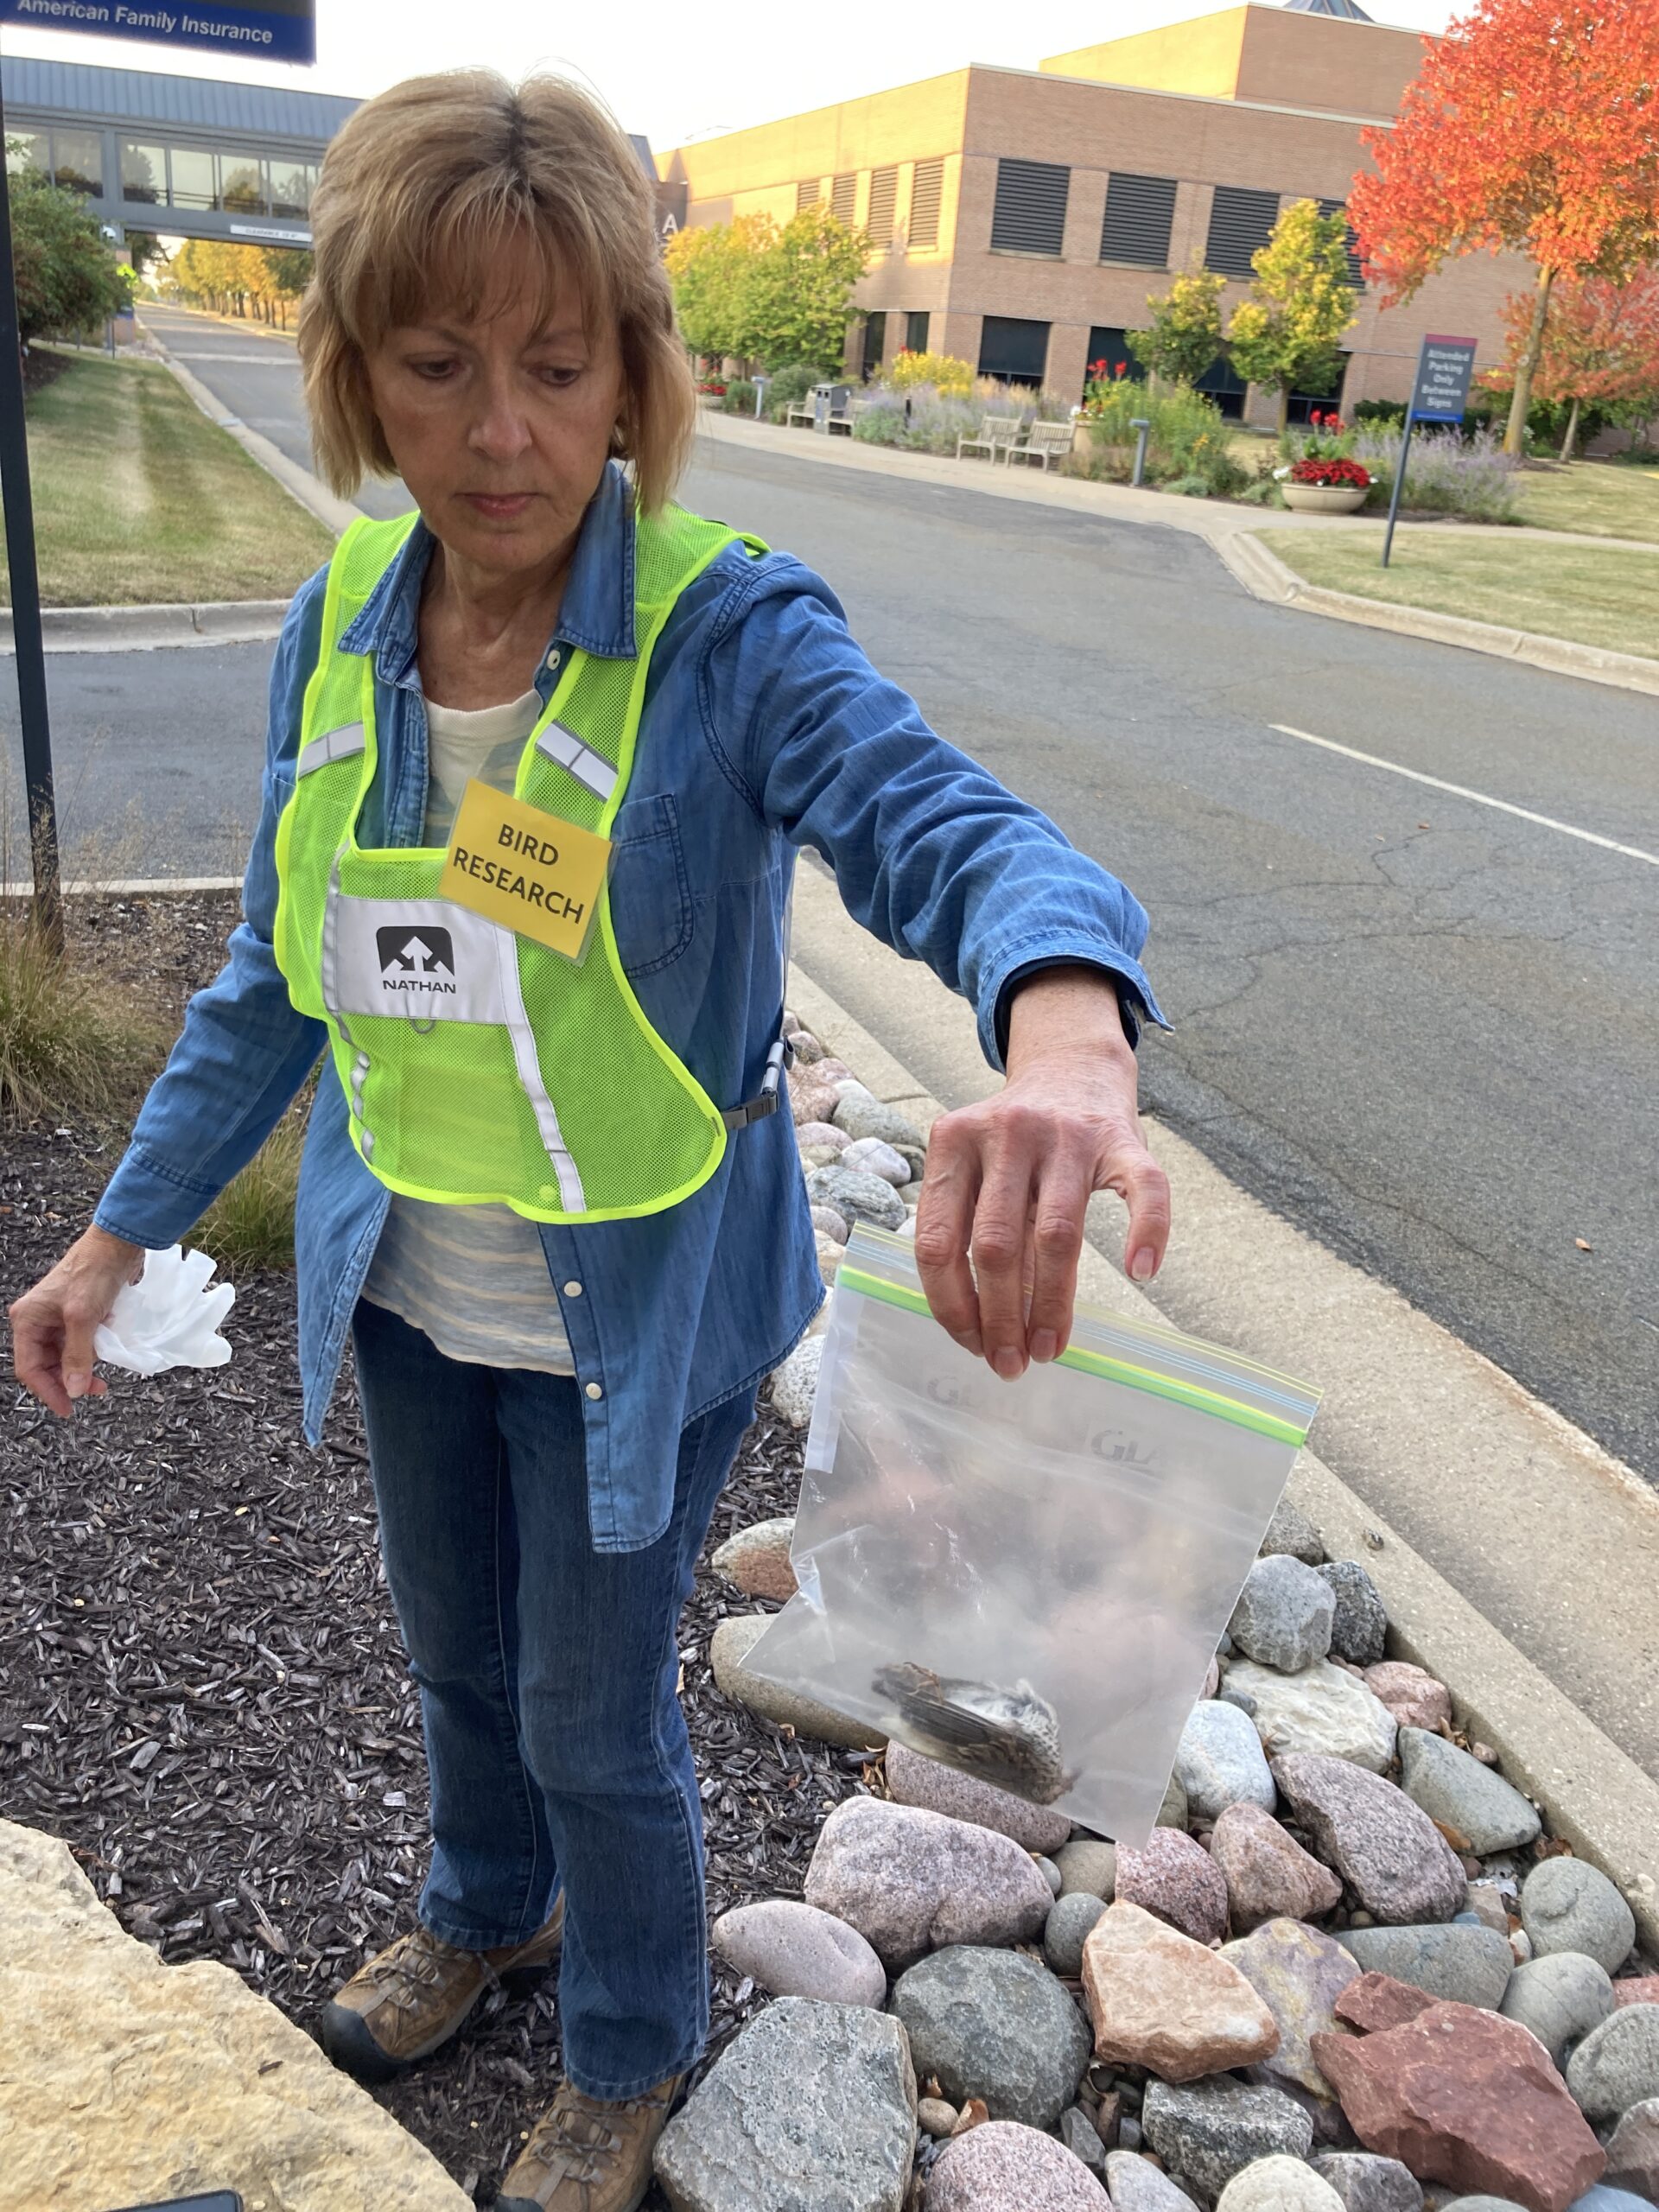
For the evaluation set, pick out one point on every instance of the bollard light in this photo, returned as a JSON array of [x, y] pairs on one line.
[[1142, 428]]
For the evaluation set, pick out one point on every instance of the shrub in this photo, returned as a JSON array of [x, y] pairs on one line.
[[943, 370], [1446, 473], [250, 1223], [74, 1045], [924, 420], [1191, 487], [788, 387], [738, 398], [1189, 435], [1379, 410]]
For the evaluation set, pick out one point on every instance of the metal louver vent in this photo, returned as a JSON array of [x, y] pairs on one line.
[[1030, 213], [1241, 222], [809, 193], [1356, 267], [884, 198], [1140, 211], [926, 197], [843, 197]]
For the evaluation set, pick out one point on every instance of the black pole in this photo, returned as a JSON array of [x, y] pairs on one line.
[[1399, 486], [26, 589]]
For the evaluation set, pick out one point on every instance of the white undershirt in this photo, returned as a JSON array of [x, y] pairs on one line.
[[474, 1279]]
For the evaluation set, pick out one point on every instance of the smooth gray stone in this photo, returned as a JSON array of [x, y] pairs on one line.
[[1470, 1966], [1561, 1998], [1483, 2204], [1366, 2183], [1359, 1633], [1208, 2131], [1082, 2138], [1617, 2065], [992, 2024], [1290, 1530], [794, 1950], [1173, 1813], [1460, 1792], [1067, 1927], [855, 1197], [1601, 2198], [1284, 1615], [813, 2104], [1220, 1761], [868, 1117], [1569, 1905], [1135, 2186], [1088, 1866], [728, 1650]]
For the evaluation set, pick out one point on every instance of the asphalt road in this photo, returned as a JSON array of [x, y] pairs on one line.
[[1422, 1027]]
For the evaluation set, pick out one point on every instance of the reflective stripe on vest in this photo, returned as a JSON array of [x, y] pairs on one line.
[[479, 1066]]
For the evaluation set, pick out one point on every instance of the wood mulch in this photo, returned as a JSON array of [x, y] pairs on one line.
[[202, 1689]]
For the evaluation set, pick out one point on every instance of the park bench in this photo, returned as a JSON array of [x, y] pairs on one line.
[[1044, 441], [996, 433]]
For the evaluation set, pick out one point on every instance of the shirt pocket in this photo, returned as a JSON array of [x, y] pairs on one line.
[[651, 892]]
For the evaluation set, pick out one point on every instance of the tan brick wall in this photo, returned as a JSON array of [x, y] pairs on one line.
[[1322, 61]]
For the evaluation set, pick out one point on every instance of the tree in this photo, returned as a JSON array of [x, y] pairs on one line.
[[709, 267], [1601, 348], [1286, 334], [289, 269], [797, 294], [1532, 128], [68, 279], [1184, 336]]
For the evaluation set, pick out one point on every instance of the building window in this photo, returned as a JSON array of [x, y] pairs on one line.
[[926, 198], [916, 323], [1139, 212], [1030, 213], [875, 342], [884, 198], [1356, 267], [195, 178], [77, 161], [1012, 350], [807, 194], [292, 184], [1302, 403], [843, 198], [1222, 384], [241, 184], [28, 153], [1241, 223], [143, 173], [1109, 342]]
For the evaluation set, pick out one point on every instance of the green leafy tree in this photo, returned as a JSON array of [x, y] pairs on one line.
[[797, 294], [1184, 336], [1288, 334], [68, 279], [287, 271], [709, 268]]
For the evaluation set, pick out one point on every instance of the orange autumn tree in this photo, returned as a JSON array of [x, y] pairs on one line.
[[1601, 348], [1532, 128]]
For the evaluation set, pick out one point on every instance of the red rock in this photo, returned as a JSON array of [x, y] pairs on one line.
[[1464, 2097], [1638, 1989], [1177, 1880], [1377, 2001], [1415, 1698]]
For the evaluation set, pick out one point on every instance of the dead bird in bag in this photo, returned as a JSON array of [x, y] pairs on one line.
[[1008, 1738]]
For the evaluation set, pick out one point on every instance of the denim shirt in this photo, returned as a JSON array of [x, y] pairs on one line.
[[764, 728]]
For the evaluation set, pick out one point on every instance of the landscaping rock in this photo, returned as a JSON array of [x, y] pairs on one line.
[[1087, 1865], [137, 2081], [728, 1650], [1377, 2001], [1481, 2204], [1067, 1927], [1388, 1850], [1617, 2065], [870, 1156], [795, 1384], [1633, 2150], [1365, 2183], [1561, 1998], [811, 1102], [757, 1559], [1414, 1698], [1172, 1814], [1221, 1761], [1298, 1974], [1291, 1532], [1465, 2098], [1600, 2198], [1637, 1989], [1269, 1875], [858, 1196], [1159, 1999], [1082, 2138], [813, 2105], [831, 1256], [868, 1117], [1284, 1615], [1210, 2131], [822, 1135], [1278, 2185], [996, 2025], [1321, 1711], [1000, 2167], [1460, 1793], [912, 1881], [916, 1780], [1360, 1632], [1466, 1965], [1136, 2186], [1176, 1879], [936, 2118], [1569, 1905], [794, 1950], [1489, 1905], [828, 1223]]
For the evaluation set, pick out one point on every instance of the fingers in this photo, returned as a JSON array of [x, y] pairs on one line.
[[945, 1224], [1143, 1186], [80, 1321], [1063, 1192], [36, 1348]]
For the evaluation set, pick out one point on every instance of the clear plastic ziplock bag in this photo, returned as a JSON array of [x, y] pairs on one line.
[[1027, 1580]]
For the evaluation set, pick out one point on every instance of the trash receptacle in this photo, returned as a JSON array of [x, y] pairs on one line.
[[828, 400]]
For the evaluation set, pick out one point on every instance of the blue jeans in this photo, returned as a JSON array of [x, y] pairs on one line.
[[557, 1751]]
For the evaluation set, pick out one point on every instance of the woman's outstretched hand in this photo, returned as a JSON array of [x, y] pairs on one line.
[[53, 1325], [1009, 1180]]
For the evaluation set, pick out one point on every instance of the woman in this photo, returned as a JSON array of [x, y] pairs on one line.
[[543, 1186]]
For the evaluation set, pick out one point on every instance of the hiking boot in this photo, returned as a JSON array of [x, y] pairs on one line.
[[413, 1996], [583, 2156]]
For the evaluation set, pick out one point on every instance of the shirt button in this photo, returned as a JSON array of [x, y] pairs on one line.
[[573, 1290], [594, 1391], [554, 657]]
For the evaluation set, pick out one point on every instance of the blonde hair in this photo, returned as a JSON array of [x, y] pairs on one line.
[[417, 193]]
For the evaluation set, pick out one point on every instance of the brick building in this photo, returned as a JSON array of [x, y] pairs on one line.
[[1021, 218]]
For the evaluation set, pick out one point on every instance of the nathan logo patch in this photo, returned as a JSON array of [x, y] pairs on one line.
[[417, 958]]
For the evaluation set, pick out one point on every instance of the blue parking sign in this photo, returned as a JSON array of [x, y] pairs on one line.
[[268, 30]]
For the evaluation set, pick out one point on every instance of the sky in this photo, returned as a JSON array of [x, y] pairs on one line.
[[677, 72]]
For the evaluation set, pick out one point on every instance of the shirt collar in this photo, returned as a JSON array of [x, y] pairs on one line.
[[597, 613]]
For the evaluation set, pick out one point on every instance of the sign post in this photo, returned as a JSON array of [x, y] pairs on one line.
[[1440, 394], [273, 30]]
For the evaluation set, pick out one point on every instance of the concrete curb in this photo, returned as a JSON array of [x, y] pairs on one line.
[[131, 886], [141, 629], [1262, 571]]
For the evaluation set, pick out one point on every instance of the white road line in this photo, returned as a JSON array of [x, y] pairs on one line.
[[1461, 790]]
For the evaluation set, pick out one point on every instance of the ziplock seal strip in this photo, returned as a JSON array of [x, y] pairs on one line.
[[1094, 1362]]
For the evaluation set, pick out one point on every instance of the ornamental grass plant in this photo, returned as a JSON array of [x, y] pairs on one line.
[[74, 1045], [1447, 471], [923, 419], [250, 1223]]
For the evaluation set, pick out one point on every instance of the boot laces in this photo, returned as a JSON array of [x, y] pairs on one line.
[[413, 1966], [575, 2142]]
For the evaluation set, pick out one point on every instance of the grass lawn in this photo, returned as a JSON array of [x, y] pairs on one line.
[[1605, 498], [138, 497], [1598, 595]]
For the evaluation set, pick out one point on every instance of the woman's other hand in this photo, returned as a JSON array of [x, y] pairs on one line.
[[1011, 1178], [53, 1325]]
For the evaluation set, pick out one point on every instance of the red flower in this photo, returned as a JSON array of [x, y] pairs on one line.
[[1098, 368], [1315, 417], [1122, 369], [1349, 473]]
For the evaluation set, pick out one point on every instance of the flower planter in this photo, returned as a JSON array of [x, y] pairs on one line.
[[1326, 498]]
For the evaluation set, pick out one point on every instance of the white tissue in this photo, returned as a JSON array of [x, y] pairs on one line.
[[169, 1317]]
